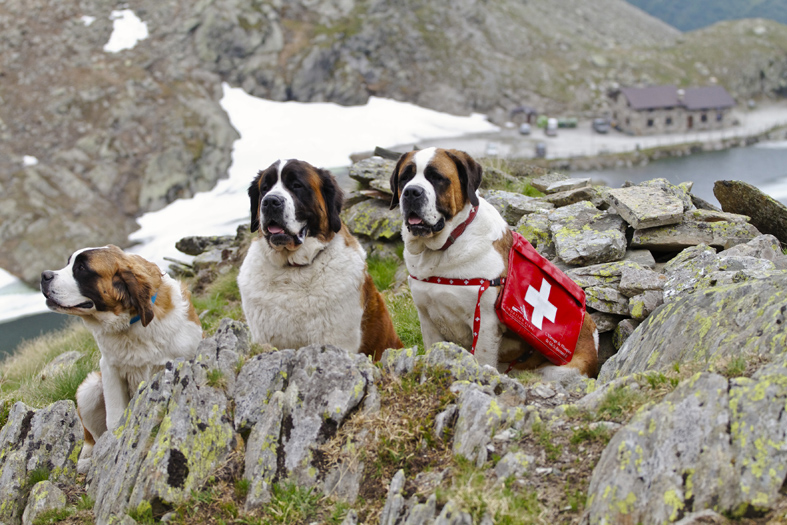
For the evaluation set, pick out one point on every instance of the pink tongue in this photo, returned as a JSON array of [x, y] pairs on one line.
[[414, 220], [275, 229]]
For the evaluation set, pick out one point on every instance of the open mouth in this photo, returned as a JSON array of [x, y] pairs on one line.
[[278, 236], [51, 303], [418, 227]]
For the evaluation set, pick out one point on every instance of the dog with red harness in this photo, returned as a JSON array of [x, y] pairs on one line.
[[479, 285]]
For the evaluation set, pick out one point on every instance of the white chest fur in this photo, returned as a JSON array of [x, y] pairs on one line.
[[291, 307]]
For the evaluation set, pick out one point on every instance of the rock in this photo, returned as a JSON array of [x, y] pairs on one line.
[[399, 361], [642, 257], [373, 169], [623, 331], [422, 513], [592, 401], [453, 515], [196, 245], [44, 496], [605, 322], [762, 247], [60, 363], [567, 185], [174, 435], [535, 229], [47, 439], [716, 216], [460, 364], [726, 321], [566, 198], [496, 178], [585, 235], [480, 416], [767, 214], [327, 384], [394, 503], [512, 206], [513, 464], [605, 274], [262, 452], [699, 268], [706, 430], [721, 234], [704, 517], [372, 218], [634, 281], [642, 305], [259, 379], [543, 182], [607, 300], [445, 420], [646, 206]]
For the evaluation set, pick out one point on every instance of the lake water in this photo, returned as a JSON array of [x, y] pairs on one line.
[[763, 165]]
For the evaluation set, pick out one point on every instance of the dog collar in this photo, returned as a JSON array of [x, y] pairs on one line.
[[459, 230], [137, 317]]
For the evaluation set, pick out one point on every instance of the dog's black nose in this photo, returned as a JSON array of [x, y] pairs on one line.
[[412, 192], [47, 276], [271, 202]]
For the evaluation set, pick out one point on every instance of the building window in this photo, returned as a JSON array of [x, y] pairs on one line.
[[719, 116], [704, 118], [650, 122], [668, 121]]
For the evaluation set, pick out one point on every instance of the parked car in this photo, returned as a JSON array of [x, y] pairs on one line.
[[524, 129], [551, 129], [601, 125], [541, 150]]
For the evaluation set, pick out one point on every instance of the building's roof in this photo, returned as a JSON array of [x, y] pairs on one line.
[[651, 97], [659, 97], [709, 97]]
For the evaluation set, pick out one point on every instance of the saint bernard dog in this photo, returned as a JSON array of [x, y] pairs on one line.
[[140, 318], [436, 192], [304, 278]]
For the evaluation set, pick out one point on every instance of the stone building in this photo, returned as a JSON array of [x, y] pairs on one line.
[[667, 109]]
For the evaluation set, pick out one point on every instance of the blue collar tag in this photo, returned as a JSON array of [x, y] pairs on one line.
[[137, 317]]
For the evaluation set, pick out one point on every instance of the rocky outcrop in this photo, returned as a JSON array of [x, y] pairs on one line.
[[36, 444], [767, 214], [711, 444]]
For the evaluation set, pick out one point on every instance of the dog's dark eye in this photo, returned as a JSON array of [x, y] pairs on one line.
[[296, 185], [81, 267]]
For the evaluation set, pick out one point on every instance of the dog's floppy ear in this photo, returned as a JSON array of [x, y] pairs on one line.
[[136, 281], [334, 198], [395, 181], [469, 173], [254, 197]]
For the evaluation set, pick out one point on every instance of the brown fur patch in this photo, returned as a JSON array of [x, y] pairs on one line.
[[192, 313], [89, 439], [377, 331], [314, 182], [454, 199], [349, 238]]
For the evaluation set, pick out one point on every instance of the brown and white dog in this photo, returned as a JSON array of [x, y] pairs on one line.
[[140, 318], [304, 279], [436, 191]]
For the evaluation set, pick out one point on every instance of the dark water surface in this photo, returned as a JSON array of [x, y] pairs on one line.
[[763, 167], [14, 332]]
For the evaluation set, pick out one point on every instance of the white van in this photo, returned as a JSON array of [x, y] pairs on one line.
[[551, 129]]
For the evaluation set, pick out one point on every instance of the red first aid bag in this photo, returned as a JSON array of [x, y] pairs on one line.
[[541, 304]]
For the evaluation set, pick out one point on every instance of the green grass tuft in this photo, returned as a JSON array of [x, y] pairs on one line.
[[405, 318], [53, 516], [620, 402], [221, 299], [292, 504], [383, 271], [546, 439], [143, 514], [216, 378], [242, 487], [37, 476]]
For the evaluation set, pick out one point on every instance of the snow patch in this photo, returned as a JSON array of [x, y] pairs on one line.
[[127, 30]]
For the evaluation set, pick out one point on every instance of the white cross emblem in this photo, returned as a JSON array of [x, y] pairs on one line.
[[539, 300]]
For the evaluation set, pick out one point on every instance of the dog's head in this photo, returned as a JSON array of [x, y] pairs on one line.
[[431, 186], [292, 200], [103, 283]]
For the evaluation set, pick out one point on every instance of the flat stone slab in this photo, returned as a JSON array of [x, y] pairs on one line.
[[513, 206], [767, 214], [544, 181], [567, 185], [646, 206], [674, 237], [373, 219]]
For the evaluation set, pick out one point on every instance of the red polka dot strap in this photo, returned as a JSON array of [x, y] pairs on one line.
[[483, 285]]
